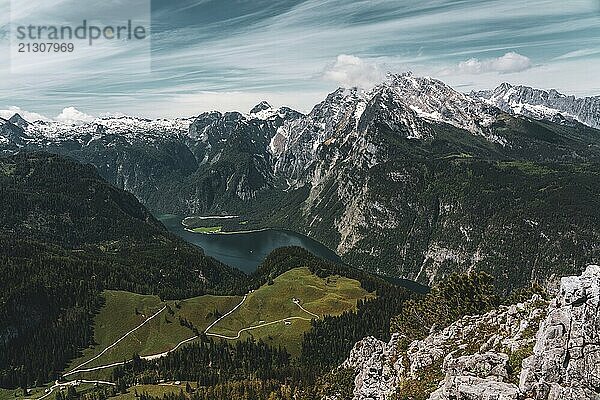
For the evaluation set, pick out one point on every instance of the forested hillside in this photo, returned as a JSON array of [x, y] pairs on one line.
[[65, 235]]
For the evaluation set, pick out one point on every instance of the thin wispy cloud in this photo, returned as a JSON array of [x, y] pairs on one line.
[[579, 53], [238, 53]]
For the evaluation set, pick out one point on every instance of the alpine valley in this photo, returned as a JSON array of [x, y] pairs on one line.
[[489, 200], [410, 179]]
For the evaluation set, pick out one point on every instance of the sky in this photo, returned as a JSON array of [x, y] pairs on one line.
[[225, 55]]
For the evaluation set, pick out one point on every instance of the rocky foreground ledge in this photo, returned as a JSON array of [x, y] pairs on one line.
[[536, 350]]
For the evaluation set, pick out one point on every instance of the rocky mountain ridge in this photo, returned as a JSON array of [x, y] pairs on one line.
[[403, 103], [540, 104], [428, 98], [533, 350]]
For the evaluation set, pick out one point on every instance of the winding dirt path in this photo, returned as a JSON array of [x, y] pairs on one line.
[[155, 356], [297, 302], [78, 368], [255, 327]]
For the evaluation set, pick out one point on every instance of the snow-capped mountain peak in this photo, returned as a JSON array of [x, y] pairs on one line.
[[262, 106], [541, 104], [404, 103], [435, 101], [18, 121], [83, 132], [264, 111]]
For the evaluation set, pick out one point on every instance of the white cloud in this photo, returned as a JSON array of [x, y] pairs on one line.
[[508, 63], [349, 70], [27, 115], [71, 115]]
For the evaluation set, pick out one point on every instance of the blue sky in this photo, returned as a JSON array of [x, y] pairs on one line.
[[230, 54]]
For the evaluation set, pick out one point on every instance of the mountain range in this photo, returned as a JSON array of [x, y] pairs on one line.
[[541, 104], [410, 178]]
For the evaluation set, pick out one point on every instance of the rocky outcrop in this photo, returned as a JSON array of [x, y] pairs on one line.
[[473, 353], [566, 359], [478, 376], [534, 350], [377, 368]]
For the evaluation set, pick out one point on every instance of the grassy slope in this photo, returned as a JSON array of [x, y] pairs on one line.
[[208, 229], [329, 296], [160, 334], [117, 317]]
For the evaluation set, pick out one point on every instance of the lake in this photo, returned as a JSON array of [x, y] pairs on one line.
[[246, 251]]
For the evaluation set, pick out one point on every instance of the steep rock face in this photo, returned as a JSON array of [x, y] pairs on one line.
[[532, 350], [365, 159], [231, 149], [423, 220], [387, 111], [351, 119], [377, 372], [541, 104], [296, 143], [433, 100], [566, 359], [338, 150]]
